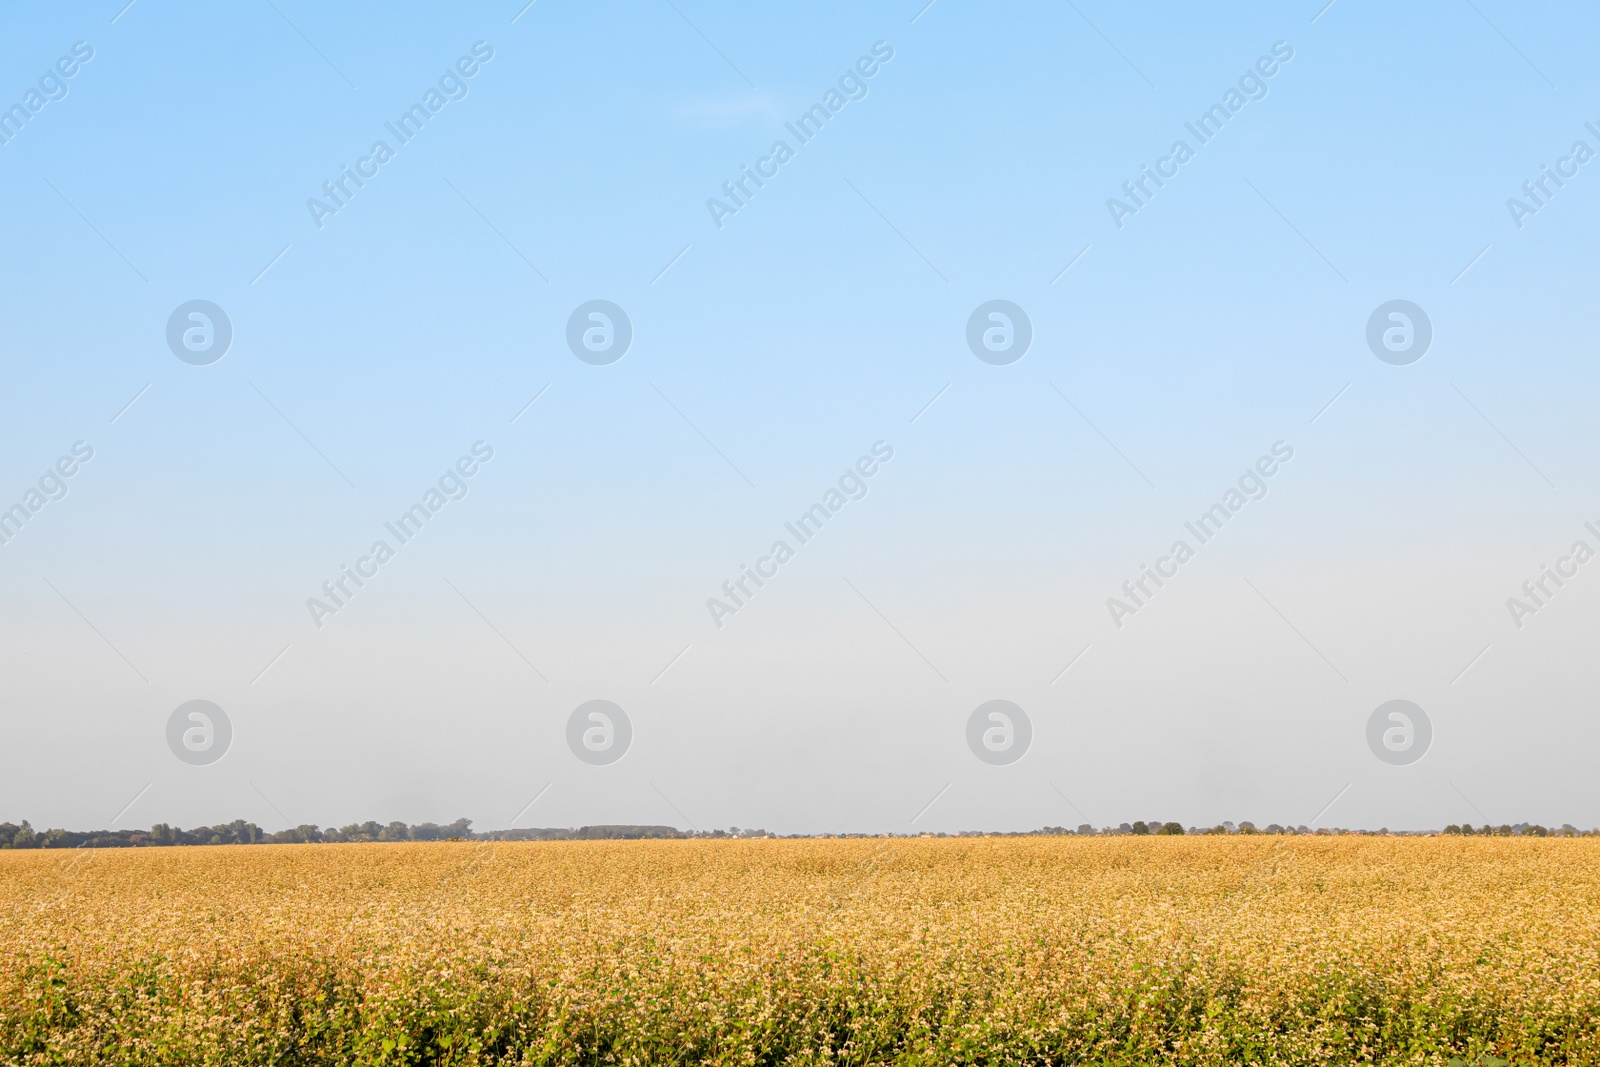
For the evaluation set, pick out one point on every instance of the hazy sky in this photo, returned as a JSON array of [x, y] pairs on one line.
[[581, 311]]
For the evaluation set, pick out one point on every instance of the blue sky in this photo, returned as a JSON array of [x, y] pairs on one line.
[[372, 351]]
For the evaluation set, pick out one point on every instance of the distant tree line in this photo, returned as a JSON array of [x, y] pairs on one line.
[[237, 832], [241, 832], [1520, 829]]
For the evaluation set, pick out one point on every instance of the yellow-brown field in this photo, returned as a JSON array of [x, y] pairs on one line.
[[1183, 950]]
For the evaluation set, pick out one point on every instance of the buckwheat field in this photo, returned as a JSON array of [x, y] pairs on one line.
[[1197, 950]]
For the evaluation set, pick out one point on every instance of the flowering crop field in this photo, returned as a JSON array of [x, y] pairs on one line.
[[1121, 950]]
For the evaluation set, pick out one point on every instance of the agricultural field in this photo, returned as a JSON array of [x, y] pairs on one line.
[[1117, 951]]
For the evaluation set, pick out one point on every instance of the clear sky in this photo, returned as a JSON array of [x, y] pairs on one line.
[[397, 225]]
